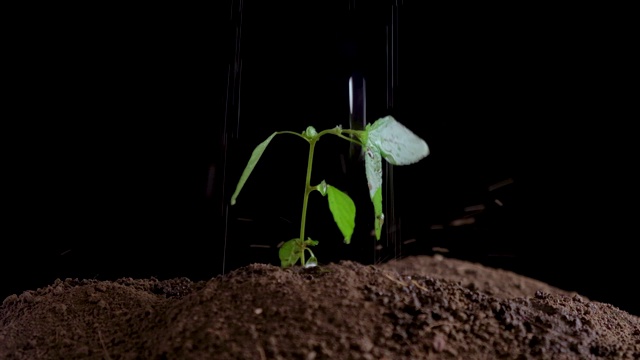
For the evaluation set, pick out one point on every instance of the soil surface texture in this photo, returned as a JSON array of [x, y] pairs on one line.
[[416, 308]]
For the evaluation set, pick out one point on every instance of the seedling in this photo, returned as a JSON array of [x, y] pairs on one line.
[[386, 138]]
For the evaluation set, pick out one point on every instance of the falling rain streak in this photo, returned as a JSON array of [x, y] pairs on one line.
[[463, 221], [472, 208], [500, 184], [393, 228], [232, 108]]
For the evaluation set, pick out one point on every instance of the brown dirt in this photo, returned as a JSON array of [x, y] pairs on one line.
[[415, 308]]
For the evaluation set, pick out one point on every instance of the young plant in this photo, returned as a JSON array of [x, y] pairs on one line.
[[386, 138]]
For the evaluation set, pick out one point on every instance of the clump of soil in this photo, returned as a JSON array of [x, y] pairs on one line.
[[415, 308]]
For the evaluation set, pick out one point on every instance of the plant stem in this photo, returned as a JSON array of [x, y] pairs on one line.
[[307, 186], [338, 133], [307, 191]]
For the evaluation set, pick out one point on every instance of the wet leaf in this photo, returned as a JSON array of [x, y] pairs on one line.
[[397, 144], [373, 170]]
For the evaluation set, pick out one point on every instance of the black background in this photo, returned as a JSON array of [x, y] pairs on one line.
[[128, 128]]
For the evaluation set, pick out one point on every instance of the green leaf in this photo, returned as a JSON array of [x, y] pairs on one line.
[[290, 253], [397, 144], [377, 208], [343, 210], [373, 170], [255, 156]]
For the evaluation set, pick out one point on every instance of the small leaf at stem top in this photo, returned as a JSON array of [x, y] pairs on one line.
[[310, 132], [255, 156], [310, 242]]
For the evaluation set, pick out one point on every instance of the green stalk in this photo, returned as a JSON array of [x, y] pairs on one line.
[[307, 191]]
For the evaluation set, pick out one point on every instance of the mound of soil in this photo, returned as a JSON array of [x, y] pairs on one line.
[[415, 308]]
